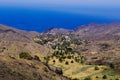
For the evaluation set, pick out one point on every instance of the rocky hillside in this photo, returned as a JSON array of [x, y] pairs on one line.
[[58, 31], [36, 54], [99, 31], [92, 31], [23, 69], [20, 57], [13, 41], [11, 34]]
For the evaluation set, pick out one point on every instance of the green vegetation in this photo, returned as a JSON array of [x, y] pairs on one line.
[[97, 77], [88, 78], [96, 68], [75, 79], [72, 61], [36, 58], [104, 77], [53, 61], [112, 66], [67, 63], [67, 54], [25, 55], [64, 51], [47, 59]]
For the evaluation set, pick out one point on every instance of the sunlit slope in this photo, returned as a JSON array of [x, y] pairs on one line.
[[81, 71]]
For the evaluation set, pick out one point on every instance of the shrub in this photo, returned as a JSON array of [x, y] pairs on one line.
[[36, 58], [116, 79], [88, 78], [53, 61], [104, 76], [97, 77], [96, 68], [69, 57], [47, 59], [75, 79], [69, 49], [54, 47], [82, 61], [64, 57], [66, 62], [25, 55], [112, 66], [72, 61], [60, 59]]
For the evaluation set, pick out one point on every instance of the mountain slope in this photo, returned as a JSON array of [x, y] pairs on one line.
[[11, 34], [99, 31], [80, 51], [21, 69], [13, 41], [87, 46]]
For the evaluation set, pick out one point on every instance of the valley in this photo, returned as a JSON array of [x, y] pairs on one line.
[[90, 52], [81, 56]]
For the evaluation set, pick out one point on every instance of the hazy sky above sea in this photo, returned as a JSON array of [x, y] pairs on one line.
[[101, 3], [91, 7], [77, 6], [85, 11]]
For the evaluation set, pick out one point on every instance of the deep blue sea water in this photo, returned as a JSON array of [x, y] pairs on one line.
[[40, 20]]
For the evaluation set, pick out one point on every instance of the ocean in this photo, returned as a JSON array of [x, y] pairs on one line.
[[41, 19]]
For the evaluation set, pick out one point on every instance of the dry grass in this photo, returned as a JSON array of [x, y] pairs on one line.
[[80, 71]]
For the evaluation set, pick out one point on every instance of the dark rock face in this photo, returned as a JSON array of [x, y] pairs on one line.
[[50, 67], [59, 71], [55, 69]]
